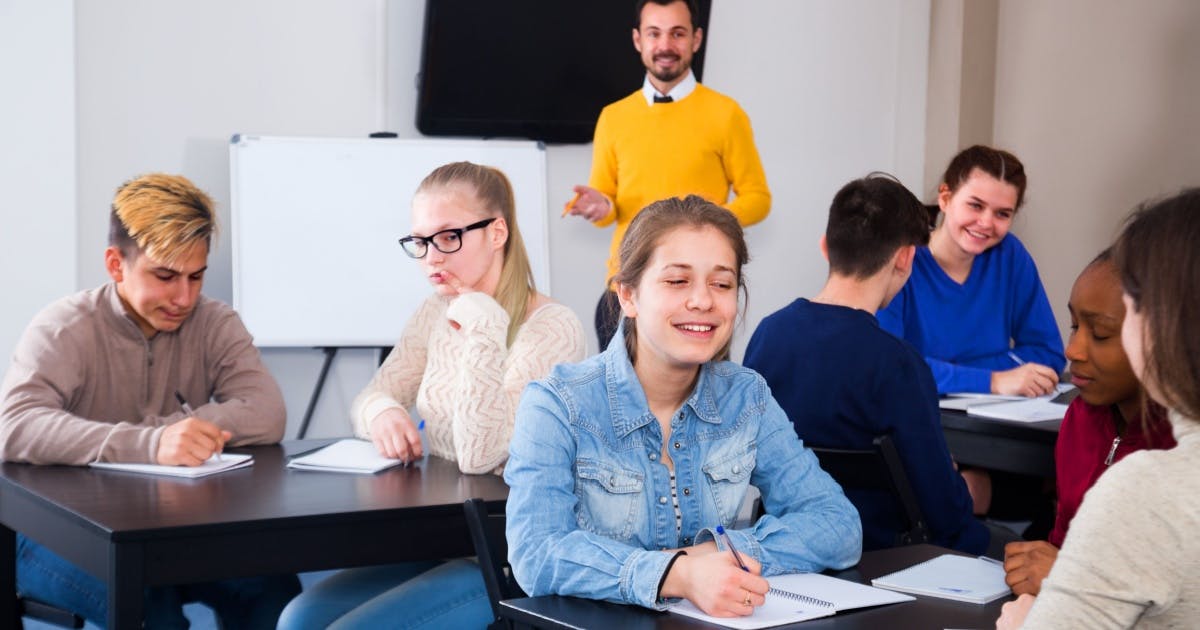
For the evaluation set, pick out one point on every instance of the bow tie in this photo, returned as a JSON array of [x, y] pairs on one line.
[[663, 99]]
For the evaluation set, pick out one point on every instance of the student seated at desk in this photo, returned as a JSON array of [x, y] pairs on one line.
[[843, 380], [94, 379], [976, 309], [462, 360], [622, 466], [1103, 424], [974, 306], [1132, 556]]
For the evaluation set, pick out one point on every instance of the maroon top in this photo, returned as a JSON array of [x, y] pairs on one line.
[[1085, 440]]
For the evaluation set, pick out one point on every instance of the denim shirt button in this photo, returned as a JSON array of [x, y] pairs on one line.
[[677, 448], [653, 456], [662, 500], [687, 540], [737, 469], [681, 415], [687, 492]]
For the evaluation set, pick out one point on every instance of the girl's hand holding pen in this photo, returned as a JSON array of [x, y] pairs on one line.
[[715, 582], [395, 435]]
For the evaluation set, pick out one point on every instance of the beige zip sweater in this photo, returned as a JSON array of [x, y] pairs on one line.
[[466, 383], [86, 385], [1132, 557]]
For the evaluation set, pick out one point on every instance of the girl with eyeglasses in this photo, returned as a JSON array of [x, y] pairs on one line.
[[462, 361]]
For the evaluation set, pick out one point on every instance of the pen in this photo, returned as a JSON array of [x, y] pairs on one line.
[[1014, 357], [570, 204], [729, 543], [424, 449], [183, 404]]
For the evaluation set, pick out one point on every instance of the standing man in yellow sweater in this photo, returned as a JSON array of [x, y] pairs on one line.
[[671, 138]]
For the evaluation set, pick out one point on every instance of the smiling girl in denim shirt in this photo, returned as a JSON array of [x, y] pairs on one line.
[[621, 467]]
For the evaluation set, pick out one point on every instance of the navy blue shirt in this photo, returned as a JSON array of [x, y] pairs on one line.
[[843, 380]]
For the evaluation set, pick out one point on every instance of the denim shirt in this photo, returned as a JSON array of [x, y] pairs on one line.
[[589, 509]]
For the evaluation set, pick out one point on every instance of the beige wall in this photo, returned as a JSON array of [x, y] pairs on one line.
[[1101, 100]]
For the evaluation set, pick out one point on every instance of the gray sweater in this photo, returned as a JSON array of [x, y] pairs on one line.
[[86, 385], [1132, 557]]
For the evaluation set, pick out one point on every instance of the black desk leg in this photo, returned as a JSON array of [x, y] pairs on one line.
[[316, 394], [126, 586], [8, 578]]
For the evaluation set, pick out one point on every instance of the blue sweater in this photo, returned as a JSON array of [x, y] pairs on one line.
[[842, 380], [966, 331]]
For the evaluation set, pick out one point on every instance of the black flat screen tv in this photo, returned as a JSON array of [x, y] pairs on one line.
[[539, 69]]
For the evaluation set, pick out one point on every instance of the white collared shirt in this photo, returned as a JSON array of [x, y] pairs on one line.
[[677, 93]]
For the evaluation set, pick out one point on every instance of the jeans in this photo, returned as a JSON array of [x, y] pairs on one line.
[[239, 603], [408, 595]]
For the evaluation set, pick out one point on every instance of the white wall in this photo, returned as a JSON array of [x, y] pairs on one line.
[[834, 89], [163, 85], [37, 160], [1101, 100]]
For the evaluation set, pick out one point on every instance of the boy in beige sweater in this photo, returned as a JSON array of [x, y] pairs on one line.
[[95, 375]]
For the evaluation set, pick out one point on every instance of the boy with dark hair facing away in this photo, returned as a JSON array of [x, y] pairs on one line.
[[843, 380]]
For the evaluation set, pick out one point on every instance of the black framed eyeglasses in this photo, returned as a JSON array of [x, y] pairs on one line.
[[446, 241]]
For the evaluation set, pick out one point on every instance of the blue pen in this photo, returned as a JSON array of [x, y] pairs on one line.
[[729, 543], [421, 430], [1013, 355]]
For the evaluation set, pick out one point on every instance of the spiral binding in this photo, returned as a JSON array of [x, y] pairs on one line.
[[803, 599]]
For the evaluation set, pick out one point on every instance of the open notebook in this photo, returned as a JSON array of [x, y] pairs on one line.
[[214, 465], [799, 597], [349, 456]]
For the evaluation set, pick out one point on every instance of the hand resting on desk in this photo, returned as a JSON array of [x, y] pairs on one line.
[[395, 435], [713, 581], [1026, 564], [190, 442]]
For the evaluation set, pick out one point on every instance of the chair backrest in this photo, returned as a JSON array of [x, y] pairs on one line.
[[878, 468], [491, 547]]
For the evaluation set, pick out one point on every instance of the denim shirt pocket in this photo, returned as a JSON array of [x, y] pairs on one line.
[[728, 479], [611, 500]]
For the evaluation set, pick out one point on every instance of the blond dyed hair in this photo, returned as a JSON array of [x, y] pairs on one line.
[[492, 188], [162, 216]]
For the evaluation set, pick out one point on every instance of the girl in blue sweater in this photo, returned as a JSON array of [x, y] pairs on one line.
[[974, 306]]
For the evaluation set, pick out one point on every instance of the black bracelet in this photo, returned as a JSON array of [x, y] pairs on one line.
[[670, 563]]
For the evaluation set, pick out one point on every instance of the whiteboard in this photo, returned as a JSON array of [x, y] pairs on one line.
[[315, 223]]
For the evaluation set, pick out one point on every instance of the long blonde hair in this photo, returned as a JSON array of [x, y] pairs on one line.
[[516, 287]]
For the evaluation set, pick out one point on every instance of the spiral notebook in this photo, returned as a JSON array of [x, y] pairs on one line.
[[800, 597]]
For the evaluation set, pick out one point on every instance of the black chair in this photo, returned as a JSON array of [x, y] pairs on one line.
[[491, 547], [878, 468], [34, 609]]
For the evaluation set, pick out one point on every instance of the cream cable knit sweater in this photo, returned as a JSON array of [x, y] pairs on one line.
[[466, 383]]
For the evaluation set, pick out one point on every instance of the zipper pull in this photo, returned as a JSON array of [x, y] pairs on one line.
[[1112, 452]]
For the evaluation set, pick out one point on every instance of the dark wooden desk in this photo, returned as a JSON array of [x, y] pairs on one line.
[[1026, 448], [140, 530], [568, 613]]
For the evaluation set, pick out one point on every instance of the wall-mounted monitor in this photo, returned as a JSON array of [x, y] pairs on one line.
[[539, 69]]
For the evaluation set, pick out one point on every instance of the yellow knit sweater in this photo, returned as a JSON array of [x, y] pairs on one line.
[[699, 145]]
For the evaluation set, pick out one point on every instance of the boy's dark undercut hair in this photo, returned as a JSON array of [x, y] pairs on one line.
[[869, 219]]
